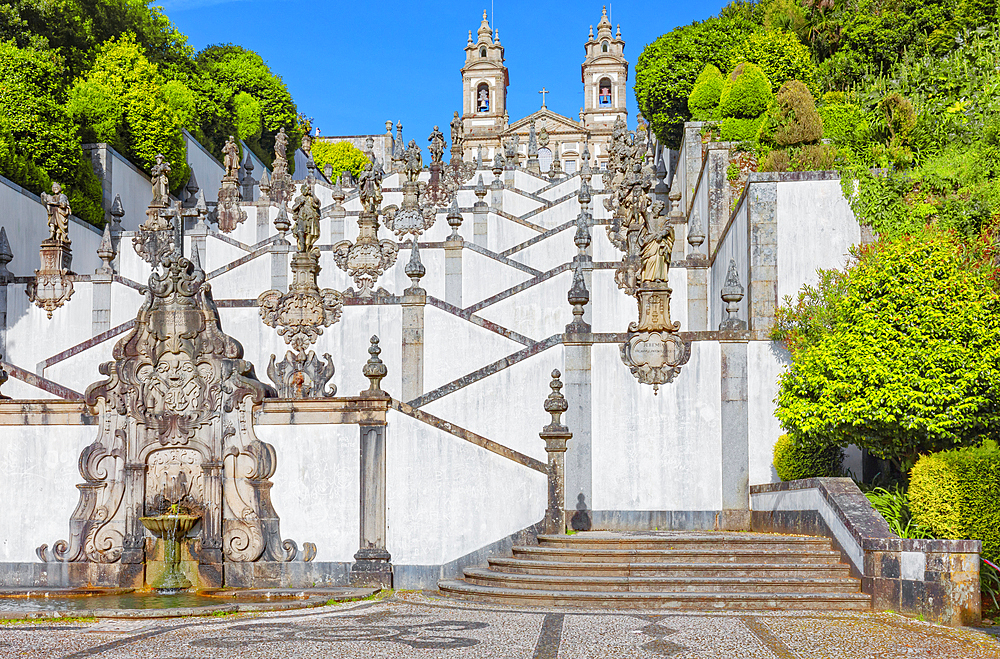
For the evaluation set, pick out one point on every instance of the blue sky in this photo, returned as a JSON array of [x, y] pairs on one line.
[[353, 65]]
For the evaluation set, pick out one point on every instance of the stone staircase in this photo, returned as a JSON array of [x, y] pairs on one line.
[[668, 570]]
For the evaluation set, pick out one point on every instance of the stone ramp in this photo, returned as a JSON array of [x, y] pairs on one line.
[[667, 570]]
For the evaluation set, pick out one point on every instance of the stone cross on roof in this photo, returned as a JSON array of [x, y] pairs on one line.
[[543, 93]]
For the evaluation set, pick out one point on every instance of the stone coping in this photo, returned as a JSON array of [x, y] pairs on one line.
[[868, 528], [284, 599], [273, 411]]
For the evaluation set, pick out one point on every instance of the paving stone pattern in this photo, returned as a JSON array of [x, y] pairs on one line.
[[423, 625]]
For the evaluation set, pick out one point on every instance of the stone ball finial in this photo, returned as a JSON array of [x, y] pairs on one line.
[[374, 370], [732, 294]]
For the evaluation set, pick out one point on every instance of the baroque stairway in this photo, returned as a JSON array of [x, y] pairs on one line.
[[668, 570]]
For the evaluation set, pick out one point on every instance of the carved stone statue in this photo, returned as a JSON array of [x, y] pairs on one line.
[[657, 239], [59, 211], [281, 143], [437, 145], [307, 211], [232, 157], [457, 133], [370, 188], [161, 181], [414, 162]]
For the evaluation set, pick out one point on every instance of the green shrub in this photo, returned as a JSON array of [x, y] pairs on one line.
[[780, 55], [733, 172], [841, 121], [812, 158], [746, 94], [342, 156], [704, 97], [899, 116], [956, 494], [740, 130], [894, 506], [776, 161], [793, 119], [794, 461]]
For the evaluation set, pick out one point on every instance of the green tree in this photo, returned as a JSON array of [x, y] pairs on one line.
[[704, 97], [900, 354], [780, 55], [227, 71], [38, 139], [121, 101], [343, 156], [792, 119]]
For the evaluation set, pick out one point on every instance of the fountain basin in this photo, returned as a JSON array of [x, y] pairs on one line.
[[163, 526]]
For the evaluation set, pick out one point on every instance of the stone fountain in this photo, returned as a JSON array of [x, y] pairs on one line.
[[175, 453]]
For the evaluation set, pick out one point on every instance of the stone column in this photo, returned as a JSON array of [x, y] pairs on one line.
[[763, 267], [735, 515], [453, 246], [556, 436], [480, 215], [338, 215], [698, 267], [281, 250], [101, 316], [372, 564], [414, 301]]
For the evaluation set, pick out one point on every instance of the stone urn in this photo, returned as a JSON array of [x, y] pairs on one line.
[[171, 528]]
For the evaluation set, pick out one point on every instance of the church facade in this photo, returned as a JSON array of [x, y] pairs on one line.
[[486, 122]]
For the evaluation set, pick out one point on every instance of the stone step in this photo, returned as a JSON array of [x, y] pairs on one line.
[[728, 601], [691, 555], [485, 577], [674, 570], [721, 541]]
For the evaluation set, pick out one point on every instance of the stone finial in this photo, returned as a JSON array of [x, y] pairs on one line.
[[265, 184], [579, 297], [696, 233], [732, 293], [106, 252], [480, 190], [498, 165], [556, 404], [618, 31], [374, 370], [590, 35], [6, 256], [414, 269], [281, 222], [118, 211], [470, 36], [454, 220], [192, 190], [328, 173]]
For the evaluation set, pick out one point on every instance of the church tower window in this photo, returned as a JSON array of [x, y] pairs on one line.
[[483, 98], [604, 95], [604, 46], [482, 51]]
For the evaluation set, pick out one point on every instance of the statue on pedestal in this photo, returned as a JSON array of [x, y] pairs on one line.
[[307, 211], [437, 145], [161, 182], [232, 157], [57, 205]]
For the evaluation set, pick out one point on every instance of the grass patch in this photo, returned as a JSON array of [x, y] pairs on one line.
[[46, 621]]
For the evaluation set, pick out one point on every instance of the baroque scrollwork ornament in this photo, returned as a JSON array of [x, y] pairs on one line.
[[367, 258], [160, 235], [178, 397]]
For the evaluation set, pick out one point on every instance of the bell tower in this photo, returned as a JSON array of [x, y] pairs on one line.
[[484, 90], [604, 74]]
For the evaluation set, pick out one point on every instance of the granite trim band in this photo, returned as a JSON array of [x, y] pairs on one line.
[[39, 382]]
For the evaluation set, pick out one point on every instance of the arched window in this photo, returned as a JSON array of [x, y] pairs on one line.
[[544, 158], [604, 46], [482, 51], [483, 98], [604, 93]]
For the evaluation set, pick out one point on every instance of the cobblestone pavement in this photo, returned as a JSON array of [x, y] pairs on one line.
[[414, 625]]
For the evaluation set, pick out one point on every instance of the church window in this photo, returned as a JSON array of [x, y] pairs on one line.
[[604, 46], [604, 95], [570, 166], [482, 51], [483, 98], [602, 166], [544, 158]]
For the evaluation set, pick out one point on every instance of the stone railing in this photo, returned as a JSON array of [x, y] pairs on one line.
[[937, 579]]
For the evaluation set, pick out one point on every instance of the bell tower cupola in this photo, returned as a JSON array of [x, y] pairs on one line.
[[605, 76], [484, 88]]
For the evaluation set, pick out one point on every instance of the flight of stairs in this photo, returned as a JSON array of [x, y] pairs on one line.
[[667, 570]]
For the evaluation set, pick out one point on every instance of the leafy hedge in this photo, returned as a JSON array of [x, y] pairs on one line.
[[956, 494], [746, 93], [794, 461], [704, 97], [793, 119]]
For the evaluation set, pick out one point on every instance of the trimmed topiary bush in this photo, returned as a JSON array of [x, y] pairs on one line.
[[793, 119], [746, 94], [704, 97], [956, 494], [740, 130], [794, 462]]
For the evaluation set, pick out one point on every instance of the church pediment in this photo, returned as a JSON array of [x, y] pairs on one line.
[[554, 122]]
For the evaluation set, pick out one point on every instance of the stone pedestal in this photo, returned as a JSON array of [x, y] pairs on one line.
[[101, 318], [697, 280], [556, 435], [579, 460], [53, 284], [414, 301], [280, 254], [372, 563], [453, 272], [735, 457]]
